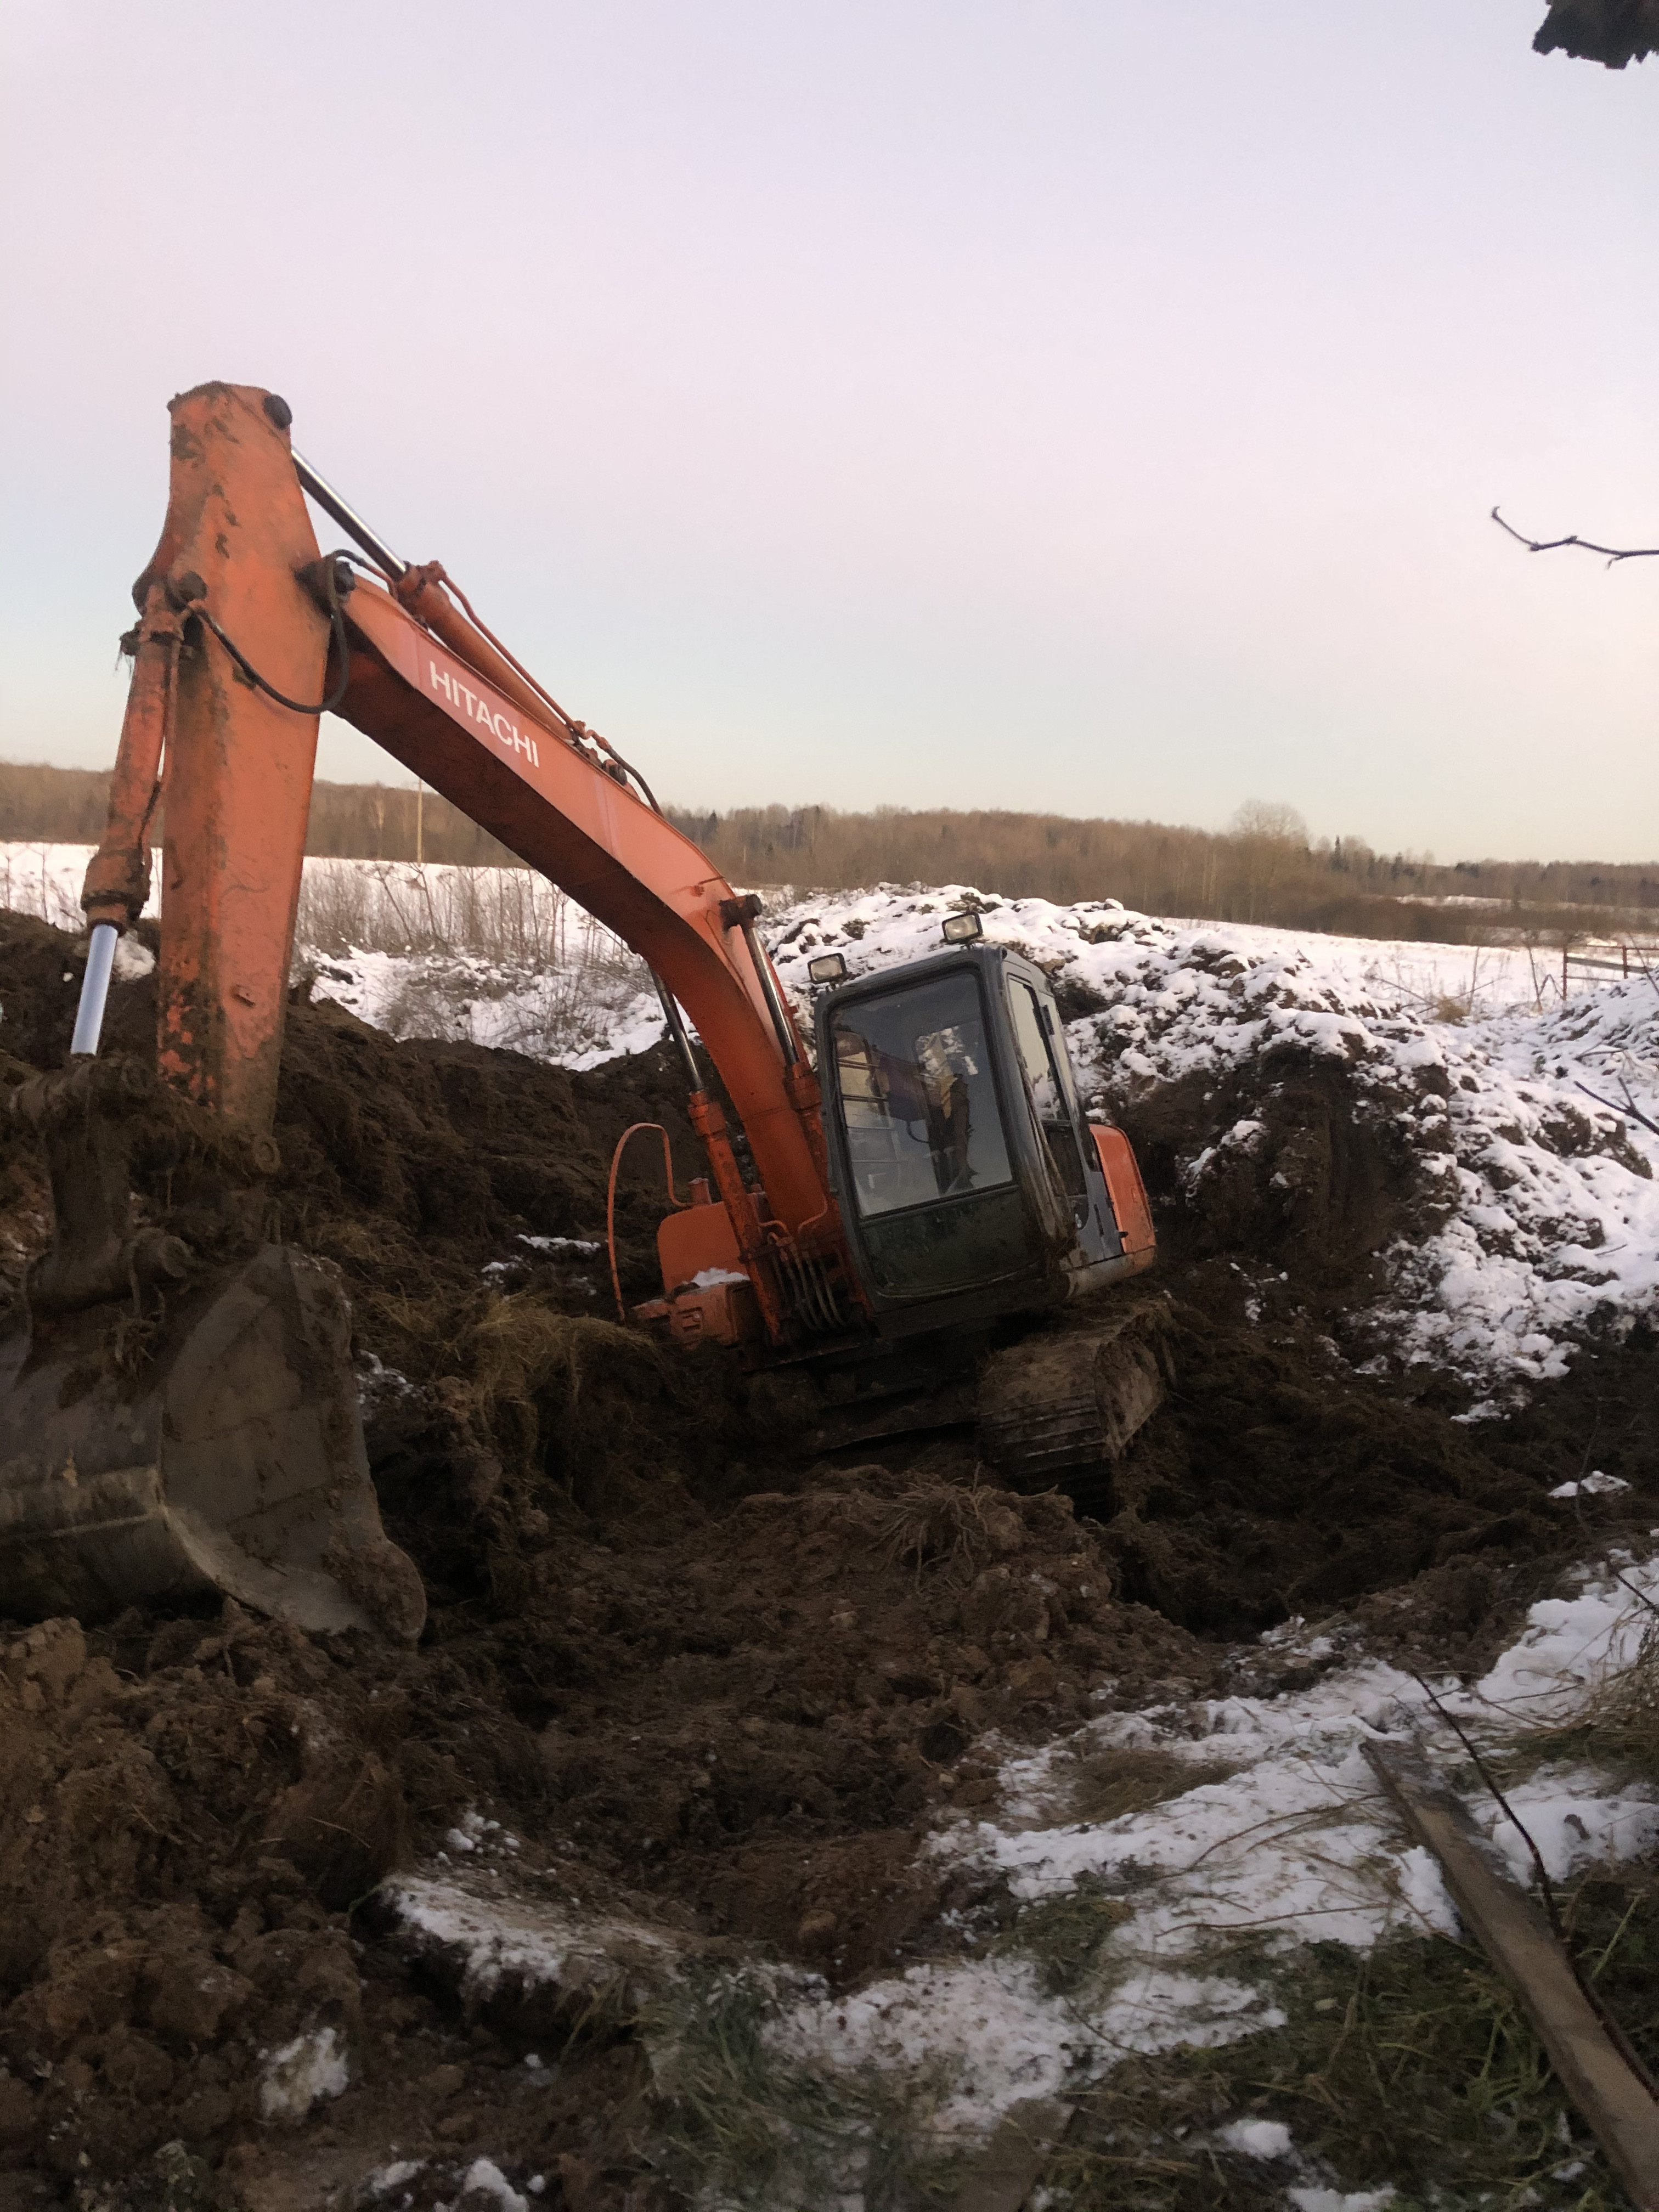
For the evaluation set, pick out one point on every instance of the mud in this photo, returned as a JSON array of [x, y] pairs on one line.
[[702, 1680]]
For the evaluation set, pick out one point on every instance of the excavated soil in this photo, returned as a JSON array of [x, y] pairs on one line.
[[705, 1682]]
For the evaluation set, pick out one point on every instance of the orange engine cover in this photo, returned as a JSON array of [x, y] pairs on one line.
[[1128, 1193], [693, 1240]]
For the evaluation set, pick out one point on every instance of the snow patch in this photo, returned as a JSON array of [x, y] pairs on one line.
[[483, 2177], [1593, 1485], [385, 2178], [527, 1942], [302, 2073], [1337, 2200], [1257, 2138]]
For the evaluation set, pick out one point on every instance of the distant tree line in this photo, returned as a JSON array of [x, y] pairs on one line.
[[1263, 868], [350, 821]]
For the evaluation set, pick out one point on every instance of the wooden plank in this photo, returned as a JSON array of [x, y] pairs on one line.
[[1521, 1943], [1012, 2165]]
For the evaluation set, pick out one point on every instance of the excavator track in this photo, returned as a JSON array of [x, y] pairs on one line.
[[1067, 1402]]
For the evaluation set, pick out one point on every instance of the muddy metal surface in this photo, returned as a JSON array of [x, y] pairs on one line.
[[703, 1683]]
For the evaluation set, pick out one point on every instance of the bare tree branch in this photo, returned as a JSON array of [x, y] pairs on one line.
[[1629, 1107], [1554, 544]]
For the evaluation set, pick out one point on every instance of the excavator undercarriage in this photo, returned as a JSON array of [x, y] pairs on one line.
[[1059, 1402]]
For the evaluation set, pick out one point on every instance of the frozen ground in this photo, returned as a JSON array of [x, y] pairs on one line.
[[1291, 1844], [1551, 1224], [1281, 1839]]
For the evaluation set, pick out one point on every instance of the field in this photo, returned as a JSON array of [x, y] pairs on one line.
[[753, 1827]]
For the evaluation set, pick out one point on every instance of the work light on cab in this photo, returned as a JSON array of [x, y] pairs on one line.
[[828, 968], [962, 929]]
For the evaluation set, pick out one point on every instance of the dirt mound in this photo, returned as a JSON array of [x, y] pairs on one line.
[[1296, 1471], [1293, 1164]]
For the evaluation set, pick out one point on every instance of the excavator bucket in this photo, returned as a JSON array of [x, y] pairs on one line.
[[172, 1428]]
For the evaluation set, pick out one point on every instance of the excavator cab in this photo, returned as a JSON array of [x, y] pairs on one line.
[[970, 1183]]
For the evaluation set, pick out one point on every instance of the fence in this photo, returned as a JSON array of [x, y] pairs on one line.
[[1613, 962]]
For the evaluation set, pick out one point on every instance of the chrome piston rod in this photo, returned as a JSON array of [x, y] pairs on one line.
[[94, 990]]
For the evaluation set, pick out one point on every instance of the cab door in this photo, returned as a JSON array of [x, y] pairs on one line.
[[1051, 1094], [1065, 1142]]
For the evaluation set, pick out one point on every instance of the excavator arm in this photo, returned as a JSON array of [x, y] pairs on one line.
[[245, 635]]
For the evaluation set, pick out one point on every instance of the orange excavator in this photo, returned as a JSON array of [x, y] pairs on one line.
[[897, 1215]]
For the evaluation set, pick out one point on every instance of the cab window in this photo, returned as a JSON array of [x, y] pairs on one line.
[[1049, 1091], [918, 1099]]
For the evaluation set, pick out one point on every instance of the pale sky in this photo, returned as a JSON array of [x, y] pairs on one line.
[[1092, 406]]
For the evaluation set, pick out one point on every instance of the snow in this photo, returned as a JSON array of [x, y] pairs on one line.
[[1258, 2138], [133, 959], [301, 2073], [1335, 2200], [483, 2177], [385, 2178], [1573, 1821], [1294, 1844], [1572, 1647], [575, 1016], [1593, 1485], [1550, 1207], [524, 1942]]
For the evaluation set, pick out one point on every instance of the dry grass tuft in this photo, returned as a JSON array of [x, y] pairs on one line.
[[566, 1393], [1622, 1723], [1106, 1784], [748, 2126], [938, 1524], [1617, 1728], [1412, 2067], [1064, 1934]]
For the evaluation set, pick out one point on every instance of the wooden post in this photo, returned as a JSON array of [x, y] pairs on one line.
[[1615, 2103]]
